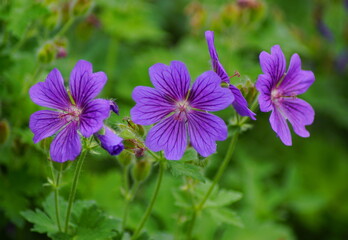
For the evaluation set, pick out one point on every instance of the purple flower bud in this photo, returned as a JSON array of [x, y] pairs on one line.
[[110, 141], [114, 107]]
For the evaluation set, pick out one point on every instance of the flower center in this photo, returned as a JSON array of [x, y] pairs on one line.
[[73, 113], [182, 108], [276, 95]]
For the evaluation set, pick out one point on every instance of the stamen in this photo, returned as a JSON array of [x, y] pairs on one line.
[[236, 74]]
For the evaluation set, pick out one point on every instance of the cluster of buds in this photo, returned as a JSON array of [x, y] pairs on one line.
[[135, 150], [52, 50]]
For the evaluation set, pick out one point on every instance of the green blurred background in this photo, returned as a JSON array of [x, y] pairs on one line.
[[297, 192]]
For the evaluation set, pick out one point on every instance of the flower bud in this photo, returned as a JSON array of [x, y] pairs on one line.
[[138, 129], [125, 158], [141, 170], [47, 53], [4, 131], [80, 7], [130, 143], [110, 141]]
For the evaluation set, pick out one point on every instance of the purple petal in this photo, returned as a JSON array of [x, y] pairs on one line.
[[217, 66], [66, 145], [168, 135], [280, 126], [111, 142], [51, 93], [152, 105], [207, 94], [174, 80], [240, 104], [296, 81], [299, 113], [114, 107], [84, 84], [273, 64], [93, 115], [204, 129], [45, 123], [264, 86]]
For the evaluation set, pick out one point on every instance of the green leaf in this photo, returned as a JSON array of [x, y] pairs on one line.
[[42, 222], [218, 198], [180, 168], [225, 215], [94, 224]]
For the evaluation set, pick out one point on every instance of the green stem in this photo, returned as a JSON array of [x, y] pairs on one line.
[[65, 28], [217, 177], [129, 199], [153, 200], [56, 193], [73, 188]]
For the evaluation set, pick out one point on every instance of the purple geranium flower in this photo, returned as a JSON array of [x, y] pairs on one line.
[[239, 103], [79, 112], [278, 93], [180, 111], [110, 141]]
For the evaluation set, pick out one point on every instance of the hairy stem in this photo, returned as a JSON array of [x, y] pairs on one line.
[[73, 188], [153, 200], [217, 177]]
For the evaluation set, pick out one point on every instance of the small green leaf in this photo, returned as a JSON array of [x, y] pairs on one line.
[[179, 168], [225, 215]]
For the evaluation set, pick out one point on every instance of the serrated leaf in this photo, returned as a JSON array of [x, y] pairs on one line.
[[179, 168], [218, 197], [94, 224], [189, 155], [225, 215], [42, 222]]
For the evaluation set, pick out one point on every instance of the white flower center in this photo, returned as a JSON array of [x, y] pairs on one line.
[[182, 108], [73, 113]]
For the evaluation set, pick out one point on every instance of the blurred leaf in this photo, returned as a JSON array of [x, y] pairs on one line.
[[180, 168], [225, 215]]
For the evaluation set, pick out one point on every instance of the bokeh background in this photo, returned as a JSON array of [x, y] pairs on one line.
[[297, 192]]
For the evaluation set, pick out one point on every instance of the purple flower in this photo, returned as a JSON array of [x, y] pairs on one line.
[[79, 112], [180, 112], [110, 141], [239, 103], [278, 93]]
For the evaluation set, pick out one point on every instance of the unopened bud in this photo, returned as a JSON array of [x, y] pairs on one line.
[[141, 170], [80, 7], [125, 158], [130, 143], [47, 53], [139, 152], [138, 129], [4, 131]]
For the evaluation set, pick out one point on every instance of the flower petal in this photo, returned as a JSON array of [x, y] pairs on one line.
[[50, 93], [264, 86], [296, 80], [114, 107], [299, 113], [204, 129], [240, 104], [207, 94], [280, 126], [273, 64], [168, 135], [66, 145], [93, 115], [217, 66], [84, 84], [45, 123], [152, 105], [111, 142], [174, 80]]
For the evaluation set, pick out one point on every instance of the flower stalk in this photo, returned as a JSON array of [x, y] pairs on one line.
[[73, 188], [150, 206], [217, 177]]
